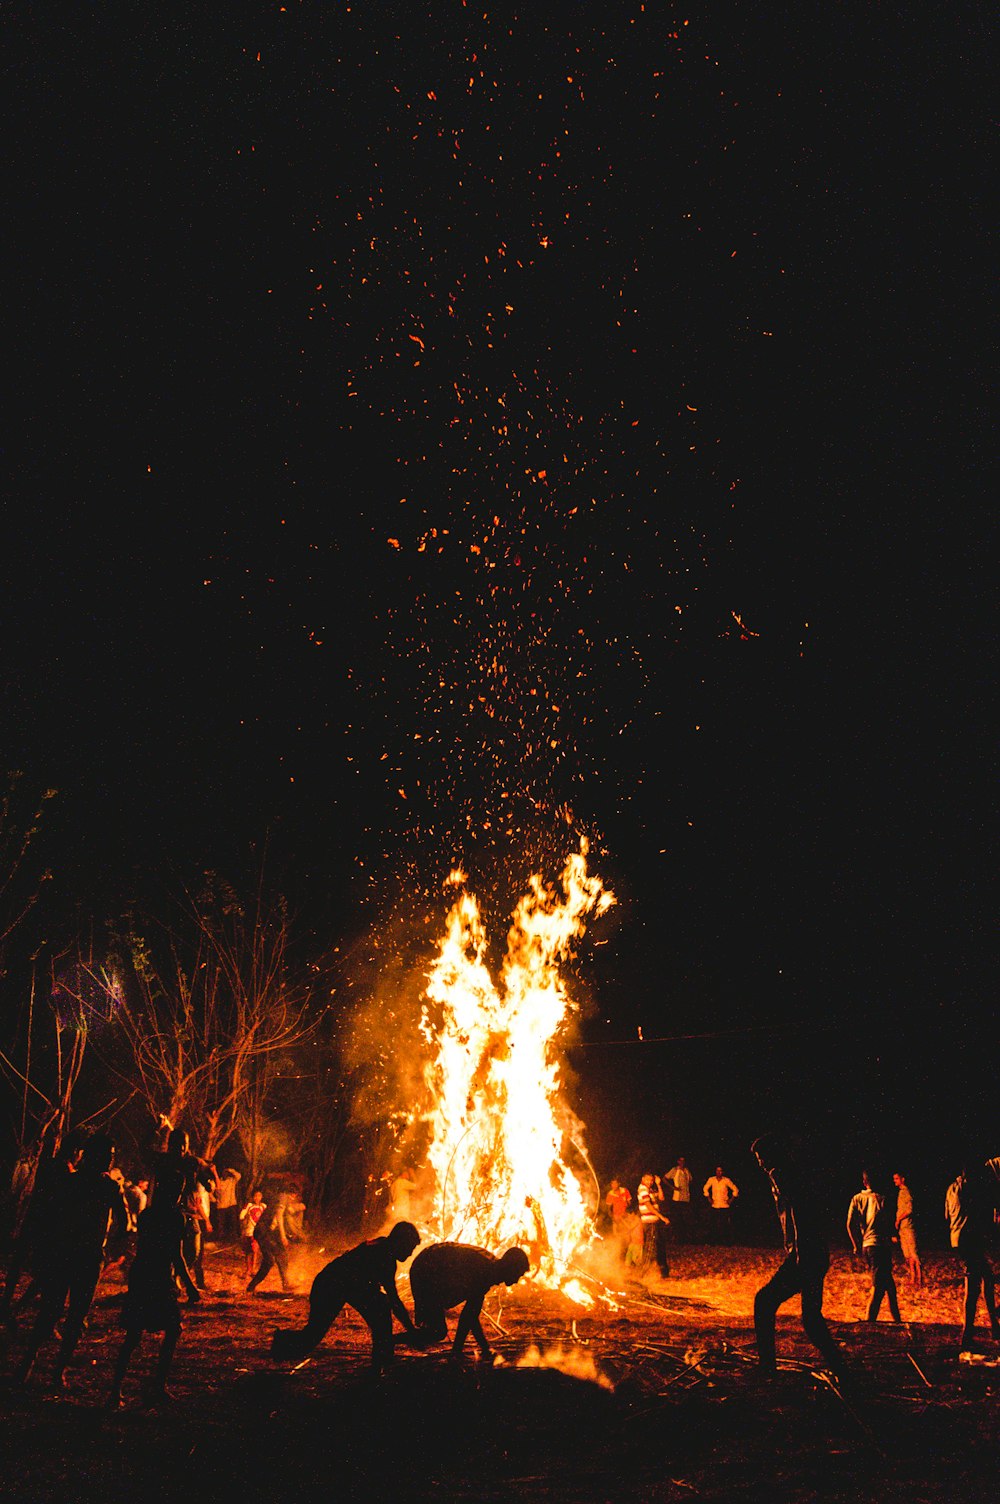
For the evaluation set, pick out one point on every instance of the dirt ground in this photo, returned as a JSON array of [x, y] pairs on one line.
[[657, 1400]]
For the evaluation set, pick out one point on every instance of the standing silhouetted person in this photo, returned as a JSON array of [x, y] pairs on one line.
[[969, 1207], [452, 1274], [177, 1176], [151, 1303], [364, 1278], [69, 1267], [40, 1222], [869, 1226], [807, 1258]]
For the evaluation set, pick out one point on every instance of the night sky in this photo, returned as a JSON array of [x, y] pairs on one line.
[[442, 430]]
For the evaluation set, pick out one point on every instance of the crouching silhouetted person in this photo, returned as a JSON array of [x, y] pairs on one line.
[[804, 1269], [364, 1278], [451, 1274], [151, 1303]]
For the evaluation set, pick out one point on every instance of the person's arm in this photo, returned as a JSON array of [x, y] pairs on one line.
[[852, 1212], [397, 1307], [119, 1212], [734, 1188], [706, 1189], [156, 1142]]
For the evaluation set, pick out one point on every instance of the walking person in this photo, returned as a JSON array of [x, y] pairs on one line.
[[869, 1226], [271, 1237], [249, 1217], [807, 1257], [151, 1304], [970, 1206], [90, 1205]]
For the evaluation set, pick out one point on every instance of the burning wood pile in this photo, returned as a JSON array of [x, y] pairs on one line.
[[506, 1151]]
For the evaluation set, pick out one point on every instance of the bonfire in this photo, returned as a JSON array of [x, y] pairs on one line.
[[507, 1152]]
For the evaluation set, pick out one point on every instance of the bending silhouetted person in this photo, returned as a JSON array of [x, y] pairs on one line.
[[364, 1278], [807, 1259], [452, 1274], [89, 1203]]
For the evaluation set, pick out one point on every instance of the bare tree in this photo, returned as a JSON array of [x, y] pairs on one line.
[[42, 1064], [20, 889], [202, 1010]]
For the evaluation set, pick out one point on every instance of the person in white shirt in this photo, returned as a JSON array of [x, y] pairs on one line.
[[720, 1193], [680, 1178]]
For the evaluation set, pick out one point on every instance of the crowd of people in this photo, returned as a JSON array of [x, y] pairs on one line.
[[83, 1215], [878, 1221], [639, 1226]]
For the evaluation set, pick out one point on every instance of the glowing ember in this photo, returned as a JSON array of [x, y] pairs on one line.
[[572, 1361], [500, 1131]]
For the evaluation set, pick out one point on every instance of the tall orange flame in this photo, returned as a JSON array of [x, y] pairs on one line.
[[499, 1126]]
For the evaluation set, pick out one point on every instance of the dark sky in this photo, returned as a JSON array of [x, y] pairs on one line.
[[441, 430]]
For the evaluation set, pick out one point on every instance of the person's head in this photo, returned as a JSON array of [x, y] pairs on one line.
[[178, 1143], [647, 1179], [615, 1186], [71, 1149], [866, 1180], [681, 1162], [257, 1197], [898, 1178], [402, 1240], [770, 1152], [513, 1266], [98, 1154], [718, 1172]]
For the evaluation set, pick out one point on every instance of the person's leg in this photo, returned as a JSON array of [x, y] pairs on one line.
[[779, 1288], [468, 1321], [877, 1286], [81, 1295], [54, 1290], [158, 1384], [131, 1340], [973, 1285], [890, 1288], [374, 1310], [327, 1299], [283, 1259], [989, 1296], [264, 1267], [814, 1322]]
